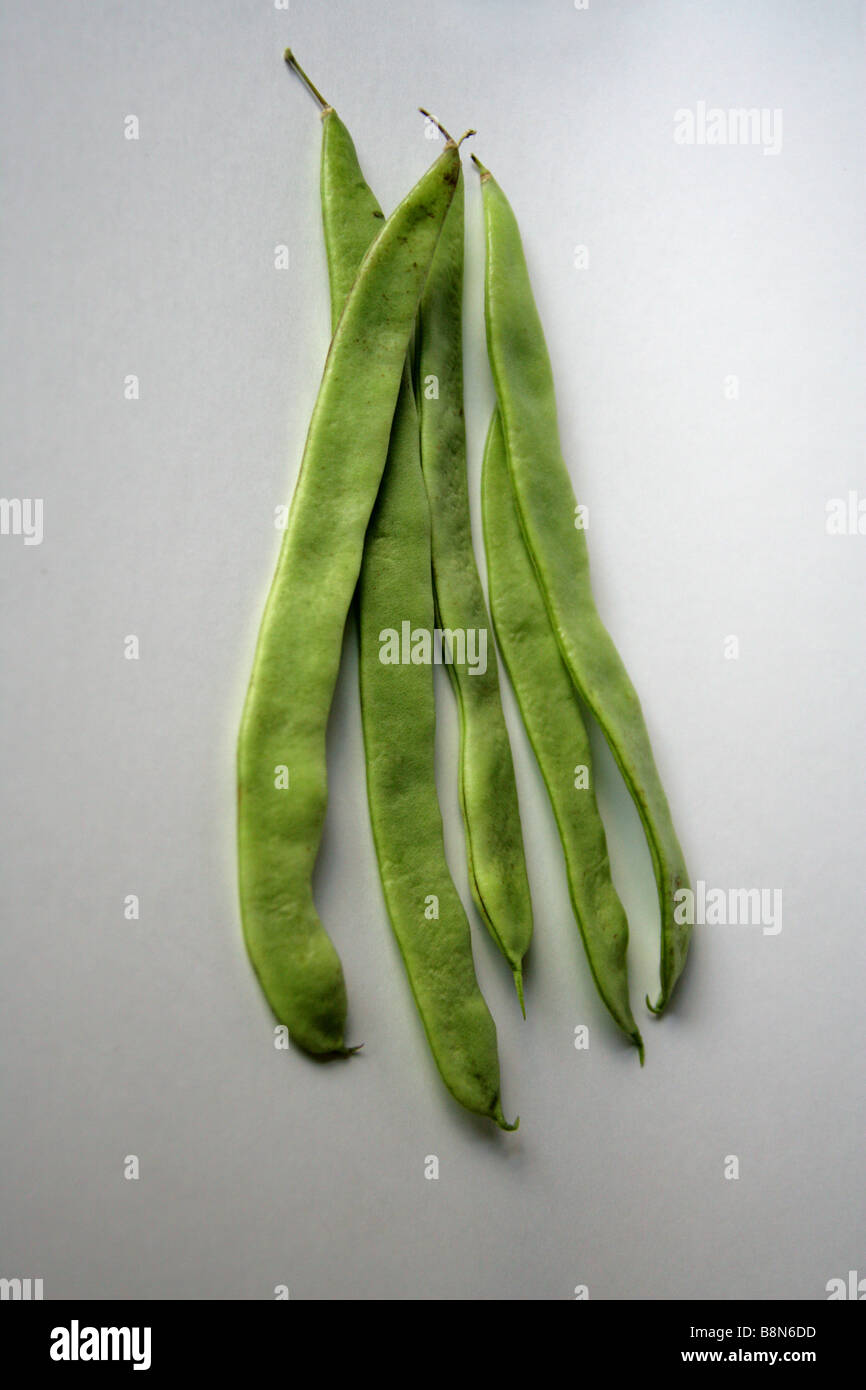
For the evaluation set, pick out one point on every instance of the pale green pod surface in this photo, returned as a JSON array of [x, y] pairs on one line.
[[552, 716], [488, 791], [397, 706], [281, 813], [351, 216], [397, 703], [546, 508]]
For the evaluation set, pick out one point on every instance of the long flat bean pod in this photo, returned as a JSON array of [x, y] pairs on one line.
[[282, 774], [397, 702], [397, 708], [545, 503], [551, 712], [488, 791]]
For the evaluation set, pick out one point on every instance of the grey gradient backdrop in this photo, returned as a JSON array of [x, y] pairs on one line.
[[156, 257]]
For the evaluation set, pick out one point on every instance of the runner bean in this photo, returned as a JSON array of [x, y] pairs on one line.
[[546, 509], [488, 791], [552, 716], [282, 775]]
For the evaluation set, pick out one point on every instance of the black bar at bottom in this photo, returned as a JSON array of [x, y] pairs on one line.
[[158, 1337]]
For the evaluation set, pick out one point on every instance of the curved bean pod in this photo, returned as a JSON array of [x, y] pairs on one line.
[[298, 652], [551, 713], [546, 508], [397, 702], [488, 791], [398, 712]]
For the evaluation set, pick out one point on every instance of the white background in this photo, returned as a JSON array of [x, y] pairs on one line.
[[708, 519]]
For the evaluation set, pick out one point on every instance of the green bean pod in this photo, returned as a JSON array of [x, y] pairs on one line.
[[351, 216], [282, 773], [546, 509], [397, 701], [398, 712], [552, 716], [488, 791]]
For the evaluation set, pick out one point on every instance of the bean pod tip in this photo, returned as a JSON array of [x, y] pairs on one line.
[[518, 984]]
